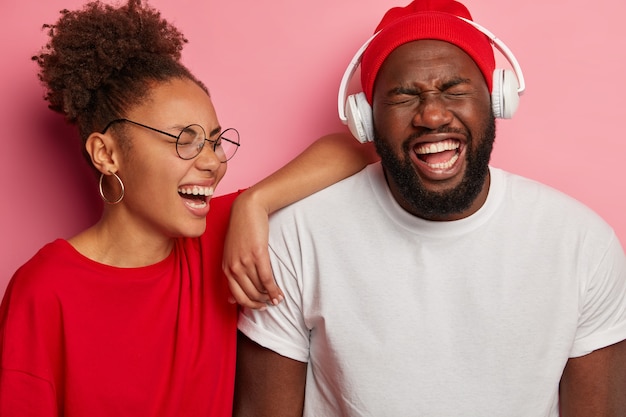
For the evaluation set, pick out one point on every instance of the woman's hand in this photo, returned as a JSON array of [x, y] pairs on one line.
[[246, 261], [246, 256]]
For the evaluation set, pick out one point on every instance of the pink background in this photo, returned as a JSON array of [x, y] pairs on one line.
[[273, 68]]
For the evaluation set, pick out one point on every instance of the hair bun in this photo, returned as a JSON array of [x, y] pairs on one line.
[[99, 46]]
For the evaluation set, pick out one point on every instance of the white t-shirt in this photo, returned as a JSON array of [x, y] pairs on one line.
[[399, 316]]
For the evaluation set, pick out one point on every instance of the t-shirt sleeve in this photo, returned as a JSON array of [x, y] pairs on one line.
[[27, 320], [22, 395], [280, 328], [603, 310]]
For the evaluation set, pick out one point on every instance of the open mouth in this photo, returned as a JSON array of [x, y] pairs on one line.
[[438, 155], [196, 196]]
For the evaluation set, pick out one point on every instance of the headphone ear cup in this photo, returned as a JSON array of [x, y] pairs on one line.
[[504, 94], [359, 117]]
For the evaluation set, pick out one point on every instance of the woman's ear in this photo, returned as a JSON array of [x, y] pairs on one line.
[[103, 152]]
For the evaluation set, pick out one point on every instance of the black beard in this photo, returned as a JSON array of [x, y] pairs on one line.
[[439, 205]]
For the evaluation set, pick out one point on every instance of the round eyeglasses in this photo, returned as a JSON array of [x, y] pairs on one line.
[[191, 139]]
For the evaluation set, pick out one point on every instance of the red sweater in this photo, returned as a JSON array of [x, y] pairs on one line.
[[78, 338]]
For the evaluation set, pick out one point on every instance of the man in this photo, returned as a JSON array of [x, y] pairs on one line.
[[432, 284]]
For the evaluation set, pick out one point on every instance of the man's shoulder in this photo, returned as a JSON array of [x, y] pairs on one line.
[[333, 203], [347, 189], [537, 191], [538, 199]]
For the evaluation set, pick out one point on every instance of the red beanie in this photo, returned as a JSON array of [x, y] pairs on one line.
[[426, 19]]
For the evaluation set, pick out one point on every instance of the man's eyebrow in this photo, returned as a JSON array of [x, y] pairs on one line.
[[410, 89], [455, 81], [403, 89]]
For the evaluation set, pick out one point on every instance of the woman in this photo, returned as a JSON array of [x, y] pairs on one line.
[[131, 316]]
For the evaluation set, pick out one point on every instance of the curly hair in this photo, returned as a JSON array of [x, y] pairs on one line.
[[101, 61]]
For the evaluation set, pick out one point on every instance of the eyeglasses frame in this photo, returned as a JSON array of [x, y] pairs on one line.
[[212, 142]]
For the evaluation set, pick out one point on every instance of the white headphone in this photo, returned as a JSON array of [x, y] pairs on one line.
[[508, 86]]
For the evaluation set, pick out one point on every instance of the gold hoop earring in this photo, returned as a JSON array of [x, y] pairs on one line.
[[106, 200]]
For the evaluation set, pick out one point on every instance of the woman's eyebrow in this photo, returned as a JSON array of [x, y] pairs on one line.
[[215, 131]]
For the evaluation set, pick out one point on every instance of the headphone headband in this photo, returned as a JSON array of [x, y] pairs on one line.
[[505, 51], [347, 76], [507, 87]]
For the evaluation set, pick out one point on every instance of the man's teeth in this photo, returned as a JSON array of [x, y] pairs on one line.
[[435, 147], [196, 190], [438, 147], [445, 165]]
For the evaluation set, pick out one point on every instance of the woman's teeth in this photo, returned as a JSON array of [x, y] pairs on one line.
[[196, 190]]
